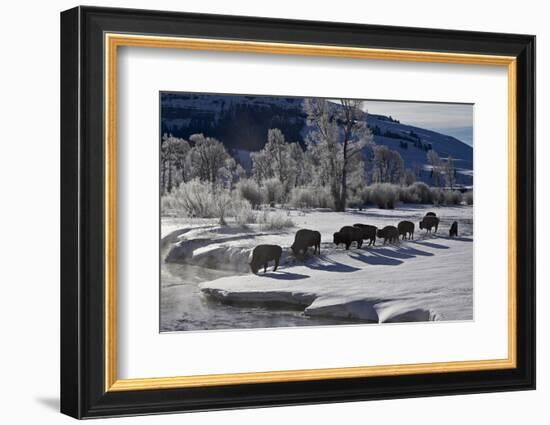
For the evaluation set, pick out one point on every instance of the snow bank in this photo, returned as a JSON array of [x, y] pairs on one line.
[[215, 247], [265, 297], [370, 310], [343, 308], [420, 280], [214, 256]]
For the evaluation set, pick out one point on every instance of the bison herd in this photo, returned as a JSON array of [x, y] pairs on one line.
[[305, 238]]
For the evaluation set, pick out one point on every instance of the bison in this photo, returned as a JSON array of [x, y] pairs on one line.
[[347, 235], [431, 214], [263, 254], [367, 232], [388, 233], [305, 238], [428, 222], [406, 228], [453, 231]]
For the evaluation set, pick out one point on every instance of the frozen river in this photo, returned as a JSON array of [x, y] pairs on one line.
[[185, 308]]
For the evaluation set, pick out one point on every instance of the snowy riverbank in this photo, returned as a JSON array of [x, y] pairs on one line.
[[429, 278], [418, 281]]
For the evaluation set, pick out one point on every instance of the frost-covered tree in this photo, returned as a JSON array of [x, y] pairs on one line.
[[356, 135], [435, 161], [273, 191], [261, 166], [296, 160], [323, 152], [231, 173], [278, 160], [208, 158], [450, 172], [409, 177], [340, 132], [173, 160], [278, 151], [387, 165], [180, 161], [166, 158]]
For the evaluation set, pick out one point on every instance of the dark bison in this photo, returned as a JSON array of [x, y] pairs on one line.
[[406, 228], [347, 235], [304, 239], [428, 222], [431, 214], [367, 232], [263, 254], [388, 233], [453, 231]]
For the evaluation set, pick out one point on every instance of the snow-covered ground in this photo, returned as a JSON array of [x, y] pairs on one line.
[[428, 278]]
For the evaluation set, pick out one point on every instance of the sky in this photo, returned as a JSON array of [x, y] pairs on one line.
[[452, 119]]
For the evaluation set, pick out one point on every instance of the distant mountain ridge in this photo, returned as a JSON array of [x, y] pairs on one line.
[[241, 122]]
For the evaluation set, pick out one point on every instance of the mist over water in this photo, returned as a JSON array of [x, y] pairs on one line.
[[185, 308]]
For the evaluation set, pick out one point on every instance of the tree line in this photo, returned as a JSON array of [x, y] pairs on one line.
[[334, 159]]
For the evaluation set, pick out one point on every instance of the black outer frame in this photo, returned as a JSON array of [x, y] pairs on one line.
[[82, 207]]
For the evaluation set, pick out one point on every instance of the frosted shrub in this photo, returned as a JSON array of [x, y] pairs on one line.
[[222, 203], [365, 195], [302, 197], [356, 201], [359, 197], [249, 190], [469, 197], [273, 190], [274, 221], [167, 203], [416, 193], [384, 195], [453, 197], [323, 197], [445, 197], [438, 196], [421, 191], [311, 197], [408, 195], [243, 212], [192, 199]]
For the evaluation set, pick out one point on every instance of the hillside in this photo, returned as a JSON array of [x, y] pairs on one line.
[[241, 122]]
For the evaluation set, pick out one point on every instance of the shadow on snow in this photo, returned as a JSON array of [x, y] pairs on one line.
[[329, 265], [429, 244], [457, 238], [281, 275], [376, 259]]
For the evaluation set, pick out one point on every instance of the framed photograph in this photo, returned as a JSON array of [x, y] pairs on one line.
[[261, 212]]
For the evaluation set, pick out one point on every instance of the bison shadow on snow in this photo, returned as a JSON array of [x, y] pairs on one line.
[[375, 259], [415, 252], [431, 244], [329, 265], [282, 275], [388, 256], [394, 253], [457, 238]]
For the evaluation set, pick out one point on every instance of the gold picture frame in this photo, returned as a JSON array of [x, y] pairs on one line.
[[114, 41]]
